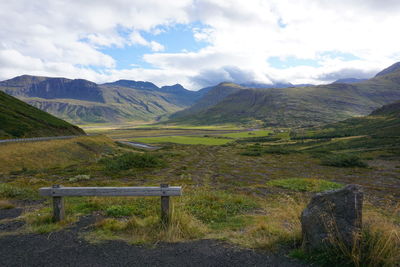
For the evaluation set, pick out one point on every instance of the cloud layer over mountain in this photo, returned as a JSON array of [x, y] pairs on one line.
[[299, 41]]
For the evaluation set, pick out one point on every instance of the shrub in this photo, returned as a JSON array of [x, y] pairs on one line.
[[343, 160], [132, 160], [279, 150], [251, 153], [305, 184]]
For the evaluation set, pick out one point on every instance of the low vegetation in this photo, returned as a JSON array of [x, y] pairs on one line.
[[305, 184], [132, 160], [247, 191], [343, 160]]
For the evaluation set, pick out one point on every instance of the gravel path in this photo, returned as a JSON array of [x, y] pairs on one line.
[[66, 248]]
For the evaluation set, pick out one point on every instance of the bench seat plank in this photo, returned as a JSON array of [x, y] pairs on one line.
[[110, 191]]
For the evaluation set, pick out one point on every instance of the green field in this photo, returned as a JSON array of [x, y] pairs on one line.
[[184, 140], [204, 139], [247, 134]]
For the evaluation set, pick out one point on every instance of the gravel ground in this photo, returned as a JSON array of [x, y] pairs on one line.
[[66, 248], [10, 213]]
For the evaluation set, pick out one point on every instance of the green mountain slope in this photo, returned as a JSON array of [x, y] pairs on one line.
[[382, 122], [18, 120], [378, 131], [301, 106], [82, 101], [212, 97]]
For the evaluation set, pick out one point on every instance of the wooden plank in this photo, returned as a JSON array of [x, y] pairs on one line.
[[58, 206], [110, 191]]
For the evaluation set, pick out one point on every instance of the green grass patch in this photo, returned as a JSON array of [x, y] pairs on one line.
[[343, 160], [119, 211], [184, 140], [132, 160], [305, 184], [218, 208]]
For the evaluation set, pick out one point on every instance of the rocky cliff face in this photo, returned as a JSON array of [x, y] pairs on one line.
[[52, 88], [82, 101]]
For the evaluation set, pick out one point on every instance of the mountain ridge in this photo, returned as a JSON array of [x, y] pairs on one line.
[[82, 101], [298, 106]]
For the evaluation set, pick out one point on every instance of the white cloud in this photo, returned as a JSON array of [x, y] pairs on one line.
[[63, 38], [137, 38]]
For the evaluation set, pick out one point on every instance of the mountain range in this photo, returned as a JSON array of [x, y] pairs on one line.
[[293, 106], [284, 105], [82, 101]]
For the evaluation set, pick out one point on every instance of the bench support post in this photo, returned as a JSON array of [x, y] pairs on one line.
[[58, 207], [164, 207]]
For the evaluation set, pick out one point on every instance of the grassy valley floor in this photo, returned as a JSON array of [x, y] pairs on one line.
[[248, 191]]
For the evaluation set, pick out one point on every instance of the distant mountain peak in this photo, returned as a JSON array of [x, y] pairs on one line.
[[393, 68], [349, 80], [134, 84]]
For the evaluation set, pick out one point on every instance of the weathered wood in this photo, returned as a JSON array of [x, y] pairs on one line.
[[58, 206], [110, 191], [164, 206], [57, 192]]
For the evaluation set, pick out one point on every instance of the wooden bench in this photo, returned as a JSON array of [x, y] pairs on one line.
[[57, 192]]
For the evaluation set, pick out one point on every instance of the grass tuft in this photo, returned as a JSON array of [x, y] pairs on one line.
[[146, 230], [305, 184], [217, 207], [132, 160], [343, 160]]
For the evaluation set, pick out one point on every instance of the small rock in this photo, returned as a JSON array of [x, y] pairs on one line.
[[333, 218]]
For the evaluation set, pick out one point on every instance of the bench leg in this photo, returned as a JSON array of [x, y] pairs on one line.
[[58, 207], [165, 210], [165, 207]]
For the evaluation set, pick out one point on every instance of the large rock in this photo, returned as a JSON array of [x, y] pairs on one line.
[[333, 218]]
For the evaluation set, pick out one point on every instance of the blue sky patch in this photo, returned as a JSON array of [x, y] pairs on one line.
[[175, 39]]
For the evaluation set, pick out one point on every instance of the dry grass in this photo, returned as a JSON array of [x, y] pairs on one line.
[[381, 237], [5, 204], [377, 245], [278, 223], [55, 153], [150, 230]]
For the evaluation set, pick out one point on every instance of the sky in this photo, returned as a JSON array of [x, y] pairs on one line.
[[199, 43]]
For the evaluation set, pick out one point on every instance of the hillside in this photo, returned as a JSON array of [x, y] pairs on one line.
[[301, 106], [382, 122], [18, 120], [82, 101], [212, 96]]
